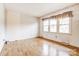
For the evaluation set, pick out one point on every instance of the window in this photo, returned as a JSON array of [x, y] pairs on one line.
[[59, 23], [45, 25], [53, 25], [64, 25]]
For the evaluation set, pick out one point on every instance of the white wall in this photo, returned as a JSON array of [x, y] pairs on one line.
[[29, 27], [73, 38], [2, 26], [2, 22], [20, 26]]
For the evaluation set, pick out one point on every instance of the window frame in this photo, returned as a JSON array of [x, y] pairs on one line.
[[70, 27], [58, 25], [43, 26], [53, 25]]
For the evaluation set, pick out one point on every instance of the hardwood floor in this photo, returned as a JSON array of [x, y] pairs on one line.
[[34, 47]]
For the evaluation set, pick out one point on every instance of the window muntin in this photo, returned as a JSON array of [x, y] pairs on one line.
[[45, 25]]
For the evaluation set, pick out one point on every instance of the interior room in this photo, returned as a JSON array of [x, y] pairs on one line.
[[39, 29]]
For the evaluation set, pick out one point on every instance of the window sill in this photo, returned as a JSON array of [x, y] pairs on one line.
[[57, 33]]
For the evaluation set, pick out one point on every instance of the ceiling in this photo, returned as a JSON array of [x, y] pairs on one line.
[[36, 9]]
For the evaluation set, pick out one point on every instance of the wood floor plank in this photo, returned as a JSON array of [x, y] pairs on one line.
[[34, 47]]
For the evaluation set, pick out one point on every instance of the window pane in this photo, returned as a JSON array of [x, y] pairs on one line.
[[45, 22], [45, 28], [64, 21], [53, 29], [64, 28], [53, 22]]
